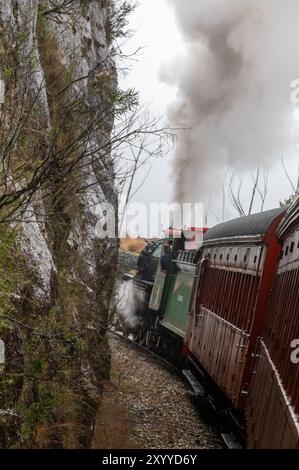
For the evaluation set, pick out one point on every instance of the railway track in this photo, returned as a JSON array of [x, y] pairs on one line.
[[197, 391], [154, 356]]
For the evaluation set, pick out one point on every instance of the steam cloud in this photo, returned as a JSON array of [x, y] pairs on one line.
[[233, 84], [130, 300]]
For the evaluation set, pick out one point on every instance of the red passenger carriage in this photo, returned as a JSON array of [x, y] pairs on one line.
[[273, 405], [237, 270]]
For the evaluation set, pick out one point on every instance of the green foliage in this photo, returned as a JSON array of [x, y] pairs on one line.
[[84, 5], [118, 12], [13, 277], [57, 75], [40, 410], [11, 272], [125, 101], [289, 200], [37, 367], [54, 343], [6, 73]]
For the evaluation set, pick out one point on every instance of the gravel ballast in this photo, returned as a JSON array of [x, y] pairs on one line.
[[145, 406]]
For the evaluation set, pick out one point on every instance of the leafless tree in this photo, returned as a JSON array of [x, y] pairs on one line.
[[235, 196], [254, 189], [258, 188], [33, 155], [263, 189], [295, 187], [58, 7]]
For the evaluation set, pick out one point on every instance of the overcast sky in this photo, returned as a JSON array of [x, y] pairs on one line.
[[156, 30]]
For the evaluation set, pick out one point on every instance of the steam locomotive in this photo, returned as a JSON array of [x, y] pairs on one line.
[[230, 311]]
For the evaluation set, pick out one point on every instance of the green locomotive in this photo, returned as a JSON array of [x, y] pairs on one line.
[[163, 315]]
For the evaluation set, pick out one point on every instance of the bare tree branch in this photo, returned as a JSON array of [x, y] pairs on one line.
[[254, 190], [294, 189], [235, 198]]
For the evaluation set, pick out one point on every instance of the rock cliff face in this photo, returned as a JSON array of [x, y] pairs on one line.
[[55, 57]]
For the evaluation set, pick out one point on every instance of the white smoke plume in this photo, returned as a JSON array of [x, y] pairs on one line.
[[234, 86], [129, 301]]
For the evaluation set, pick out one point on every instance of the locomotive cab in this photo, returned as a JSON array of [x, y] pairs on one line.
[[148, 261], [164, 318]]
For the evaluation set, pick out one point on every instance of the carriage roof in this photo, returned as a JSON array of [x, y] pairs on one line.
[[251, 227]]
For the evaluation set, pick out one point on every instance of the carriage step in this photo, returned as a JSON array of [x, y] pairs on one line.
[[196, 386]]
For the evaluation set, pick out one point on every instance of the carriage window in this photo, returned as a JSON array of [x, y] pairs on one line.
[[287, 251], [236, 257], [227, 258], [292, 247]]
